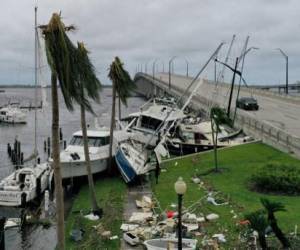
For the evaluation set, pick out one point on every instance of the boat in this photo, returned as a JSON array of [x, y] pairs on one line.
[[153, 119], [132, 160], [24, 185], [170, 243], [193, 135], [72, 159], [12, 114]]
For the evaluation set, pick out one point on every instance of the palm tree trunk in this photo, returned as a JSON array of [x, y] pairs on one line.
[[112, 126], [87, 160], [56, 166], [277, 231], [262, 241], [119, 108]]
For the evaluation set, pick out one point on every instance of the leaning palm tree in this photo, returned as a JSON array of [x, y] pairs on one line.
[[89, 86], [61, 57], [217, 117], [123, 86], [259, 223], [271, 208]]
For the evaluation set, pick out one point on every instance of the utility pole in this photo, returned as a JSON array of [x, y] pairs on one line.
[[232, 85]]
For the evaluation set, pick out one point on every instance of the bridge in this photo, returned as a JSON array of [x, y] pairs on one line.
[[277, 122]]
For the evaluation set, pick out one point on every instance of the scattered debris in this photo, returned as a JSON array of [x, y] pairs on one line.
[[106, 234], [140, 217], [196, 180], [115, 237], [76, 234], [91, 217], [212, 216], [128, 227], [131, 239], [220, 237]]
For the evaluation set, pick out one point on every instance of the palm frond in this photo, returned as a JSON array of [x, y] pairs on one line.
[[88, 81], [258, 221], [61, 57], [272, 206], [121, 78]]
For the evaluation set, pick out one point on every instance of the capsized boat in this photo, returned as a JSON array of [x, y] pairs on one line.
[[193, 135], [25, 184], [170, 243], [132, 160], [12, 114]]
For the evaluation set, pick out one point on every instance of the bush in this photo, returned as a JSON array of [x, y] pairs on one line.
[[277, 178]]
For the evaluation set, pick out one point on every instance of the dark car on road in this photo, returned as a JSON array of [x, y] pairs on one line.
[[247, 103]]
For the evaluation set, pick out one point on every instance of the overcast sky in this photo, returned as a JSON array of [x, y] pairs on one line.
[[138, 31]]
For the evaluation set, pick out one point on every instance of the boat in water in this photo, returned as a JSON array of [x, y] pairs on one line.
[[12, 114], [170, 243], [24, 185]]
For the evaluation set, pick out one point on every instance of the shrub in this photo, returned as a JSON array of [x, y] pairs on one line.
[[277, 178]]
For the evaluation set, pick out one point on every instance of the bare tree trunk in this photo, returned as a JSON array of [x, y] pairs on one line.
[[56, 166], [87, 160], [112, 126]]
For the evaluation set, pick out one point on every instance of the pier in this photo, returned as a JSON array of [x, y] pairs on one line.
[[276, 123]]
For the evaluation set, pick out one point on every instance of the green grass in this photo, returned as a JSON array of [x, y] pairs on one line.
[[238, 164], [110, 194]]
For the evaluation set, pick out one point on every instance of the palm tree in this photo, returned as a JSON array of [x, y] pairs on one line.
[[90, 86], [259, 223], [123, 86], [271, 208], [217, 117], [61, 57]]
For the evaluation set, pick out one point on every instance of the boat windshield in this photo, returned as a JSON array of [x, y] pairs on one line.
[[93, 141], [150, 123]]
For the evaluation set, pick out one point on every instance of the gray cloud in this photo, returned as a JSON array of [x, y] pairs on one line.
[[141, 30]]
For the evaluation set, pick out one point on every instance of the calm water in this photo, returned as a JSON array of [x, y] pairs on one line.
[[36, 237]]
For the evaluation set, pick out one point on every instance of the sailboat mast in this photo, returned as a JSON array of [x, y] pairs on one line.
[[35, 82]]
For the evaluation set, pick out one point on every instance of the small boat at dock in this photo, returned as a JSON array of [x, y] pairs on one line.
[[12, 114], [24, 185]]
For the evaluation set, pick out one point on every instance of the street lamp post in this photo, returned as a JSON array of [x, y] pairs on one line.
[[187, 68], [286, 70], [153, 69], [170, 62], [180, 189]]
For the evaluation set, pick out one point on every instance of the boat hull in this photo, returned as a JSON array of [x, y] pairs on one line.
[[126, 170], [73, 169], [185, 149]]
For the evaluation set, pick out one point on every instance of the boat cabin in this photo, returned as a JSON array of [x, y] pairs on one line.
[[95, 138]]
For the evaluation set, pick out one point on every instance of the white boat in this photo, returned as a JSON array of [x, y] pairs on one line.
[[72, 159], [132, 160], [170, 243], [24, 185], [192, 136], [153, 119], [12, 114]]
